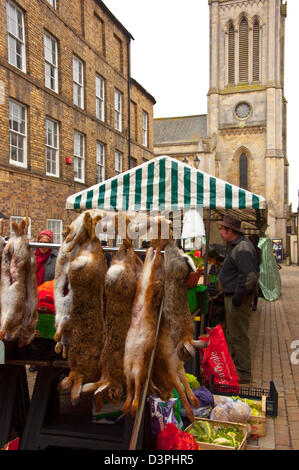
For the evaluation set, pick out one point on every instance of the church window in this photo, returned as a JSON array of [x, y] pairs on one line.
[[243, 51], [231, 54], [256, 52], [243, 171]]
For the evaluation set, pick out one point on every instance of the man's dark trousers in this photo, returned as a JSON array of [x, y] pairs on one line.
[[237, 327]]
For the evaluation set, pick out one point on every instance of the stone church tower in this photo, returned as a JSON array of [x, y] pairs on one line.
[[246, 119]]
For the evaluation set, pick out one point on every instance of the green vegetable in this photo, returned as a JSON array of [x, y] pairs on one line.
[[205, 432], [192, 380], [198, 260], [256, 408], [222, 441]]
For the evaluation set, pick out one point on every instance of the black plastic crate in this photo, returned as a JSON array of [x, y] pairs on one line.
[[253, 393]]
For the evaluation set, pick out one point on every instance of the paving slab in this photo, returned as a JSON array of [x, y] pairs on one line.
[[274, 328], [267, 442]]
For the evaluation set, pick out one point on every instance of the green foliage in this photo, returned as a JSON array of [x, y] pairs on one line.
[[198, 260]]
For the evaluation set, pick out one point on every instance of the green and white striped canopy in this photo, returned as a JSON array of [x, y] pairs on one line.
[[164, 184]]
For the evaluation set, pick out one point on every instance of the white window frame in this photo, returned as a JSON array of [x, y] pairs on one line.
[[78, 82], [118, 110], [100, 98], [18, 134], [17, 218], [51, 62], [52, 147], [145, 128], [100, 162], [15, 38], [55, 225], [52, 3], [118, 162], [79, 156]]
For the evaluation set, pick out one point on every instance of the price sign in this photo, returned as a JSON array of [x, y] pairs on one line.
[[2, 353]]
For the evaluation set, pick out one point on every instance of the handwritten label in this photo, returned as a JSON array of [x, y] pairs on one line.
[[2, 353]]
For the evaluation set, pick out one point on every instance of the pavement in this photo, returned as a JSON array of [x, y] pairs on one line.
[[274, 331]]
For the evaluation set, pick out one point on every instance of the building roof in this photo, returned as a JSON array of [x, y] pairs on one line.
[[180, 129], [113, 18], [143, 90]]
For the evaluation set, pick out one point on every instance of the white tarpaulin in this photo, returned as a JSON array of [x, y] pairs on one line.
[[193, 226]]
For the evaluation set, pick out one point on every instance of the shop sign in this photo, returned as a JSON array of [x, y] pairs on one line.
[[277, 248]]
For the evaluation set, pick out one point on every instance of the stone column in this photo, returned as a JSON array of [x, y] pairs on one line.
[[213, 96], [214, 45], [271, 42]]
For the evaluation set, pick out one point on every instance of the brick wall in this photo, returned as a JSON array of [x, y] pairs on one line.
[[141, 101], [84, 29]]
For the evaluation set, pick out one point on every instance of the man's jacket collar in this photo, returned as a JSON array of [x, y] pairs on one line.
[[236, 240]]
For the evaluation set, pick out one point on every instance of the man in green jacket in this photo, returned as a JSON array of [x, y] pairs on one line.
[[239, 278]]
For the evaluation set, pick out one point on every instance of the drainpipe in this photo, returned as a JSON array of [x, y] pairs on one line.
[[129, 100]]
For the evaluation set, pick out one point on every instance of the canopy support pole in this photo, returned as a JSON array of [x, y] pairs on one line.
[[140, 411], [208, 226]]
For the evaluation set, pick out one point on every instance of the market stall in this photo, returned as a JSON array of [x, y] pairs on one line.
[[161, 186], [167, 186], [171, 188]]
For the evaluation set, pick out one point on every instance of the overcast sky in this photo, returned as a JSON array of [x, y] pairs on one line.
[[170, 59]]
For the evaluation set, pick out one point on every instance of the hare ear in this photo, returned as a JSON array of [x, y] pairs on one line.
[[23, 227], [95, 222], [1, 226], [26, 222], [166, 224], [88, 223], [15, 227]]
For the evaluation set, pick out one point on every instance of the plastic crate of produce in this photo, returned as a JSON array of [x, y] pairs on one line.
[[212, 427], [254, 393]]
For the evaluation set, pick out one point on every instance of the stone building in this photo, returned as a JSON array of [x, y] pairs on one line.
[[242, 139], [70, 113]]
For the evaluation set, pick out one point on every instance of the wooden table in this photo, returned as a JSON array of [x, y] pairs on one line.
[[40, 423]]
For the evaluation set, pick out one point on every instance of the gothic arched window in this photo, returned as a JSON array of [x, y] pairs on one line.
[[231, 54], [243, 51], [243, 171], [256, 52]]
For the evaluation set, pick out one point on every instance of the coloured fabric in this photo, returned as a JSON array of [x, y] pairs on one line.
[[46, 297], [269, 280]]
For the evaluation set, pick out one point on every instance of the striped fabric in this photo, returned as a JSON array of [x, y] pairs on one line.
[[164, 183]]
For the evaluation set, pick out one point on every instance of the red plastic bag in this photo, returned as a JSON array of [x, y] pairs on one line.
[[172, 438], [12, 445], [216, 359]]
